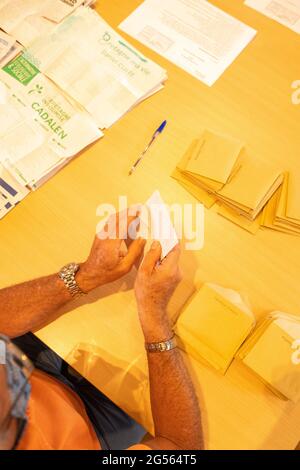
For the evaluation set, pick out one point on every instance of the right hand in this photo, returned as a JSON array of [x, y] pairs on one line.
[[107, 260], [154, 286]]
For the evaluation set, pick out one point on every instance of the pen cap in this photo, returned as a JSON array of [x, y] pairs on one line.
[[162, 126]]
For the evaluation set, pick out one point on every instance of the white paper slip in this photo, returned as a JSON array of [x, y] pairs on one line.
[[286, 12], [96, 66], [156, 224], [193, 34]]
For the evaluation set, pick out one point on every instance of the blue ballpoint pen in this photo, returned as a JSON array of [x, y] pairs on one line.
[[155, 135]]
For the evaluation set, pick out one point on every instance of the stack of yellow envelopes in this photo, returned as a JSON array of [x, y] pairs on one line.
[[217, 169], [273, 354], [208, 165], [282, 213], [213, 325]]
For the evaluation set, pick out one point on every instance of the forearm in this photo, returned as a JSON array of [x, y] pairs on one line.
[[28, 306], [174, 403]]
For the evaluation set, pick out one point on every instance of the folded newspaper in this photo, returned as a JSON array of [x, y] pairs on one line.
[[26, 20], [77, 77], [91, 62], [40, 127]]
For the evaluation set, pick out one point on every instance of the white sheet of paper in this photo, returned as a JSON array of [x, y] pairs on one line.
[[286, 12], [193, 34], [96, 66], [158, 225], [32, 28]]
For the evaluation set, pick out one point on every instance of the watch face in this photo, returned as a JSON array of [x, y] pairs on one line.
[[70, 268]]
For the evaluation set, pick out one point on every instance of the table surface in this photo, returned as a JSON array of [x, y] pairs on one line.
[[56, 225]]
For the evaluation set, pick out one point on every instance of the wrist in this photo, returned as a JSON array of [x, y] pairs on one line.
[[85, 280], [156, 325]]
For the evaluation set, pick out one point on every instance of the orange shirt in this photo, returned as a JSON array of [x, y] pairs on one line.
[[57, 419]]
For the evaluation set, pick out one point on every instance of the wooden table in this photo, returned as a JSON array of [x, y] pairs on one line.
[[56, 225]]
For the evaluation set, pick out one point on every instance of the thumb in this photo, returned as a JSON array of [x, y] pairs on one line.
[[134, 252], [152, 257]]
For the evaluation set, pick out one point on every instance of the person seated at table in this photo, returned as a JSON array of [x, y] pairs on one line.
[[43, 405]]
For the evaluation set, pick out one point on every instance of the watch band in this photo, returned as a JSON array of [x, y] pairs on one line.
[[67, 275], [161, 346]]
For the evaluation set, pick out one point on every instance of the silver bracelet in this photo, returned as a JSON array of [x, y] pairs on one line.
[[161, 346]]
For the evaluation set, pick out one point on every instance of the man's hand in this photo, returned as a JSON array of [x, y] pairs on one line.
[[154, 286], [108, 261], [174, 404]]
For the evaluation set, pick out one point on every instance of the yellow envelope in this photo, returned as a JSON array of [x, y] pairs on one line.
[[214, 157], [281, 222], [190, 183], [269, 216], [271, 357], [213, 325], [251, 187], [205, 183], [269, 210], [207, 199], [282, 200], [293, 201], [251, 226]]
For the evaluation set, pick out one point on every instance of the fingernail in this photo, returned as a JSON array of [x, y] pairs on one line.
[[155, 245]]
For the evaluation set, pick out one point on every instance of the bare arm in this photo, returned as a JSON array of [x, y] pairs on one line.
[[174, 403], [28, 306]]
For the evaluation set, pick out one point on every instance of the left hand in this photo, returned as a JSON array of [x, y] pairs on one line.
[[107, 261]]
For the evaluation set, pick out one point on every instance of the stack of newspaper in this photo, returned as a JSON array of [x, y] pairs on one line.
[[91, 62], [76, 77], [9, 48], [26, 20]]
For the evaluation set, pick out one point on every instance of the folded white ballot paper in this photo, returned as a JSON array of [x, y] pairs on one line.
[[40, 127], [156, 224], [96, 66], [286, 12], [193, 34]]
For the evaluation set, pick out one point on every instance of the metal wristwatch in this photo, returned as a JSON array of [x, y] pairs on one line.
[[162, 346], [67, 275]]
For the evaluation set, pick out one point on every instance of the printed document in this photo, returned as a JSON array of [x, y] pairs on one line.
[[286, 12], [193, 34], [39, 126], [26, 20], [96, 66]]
